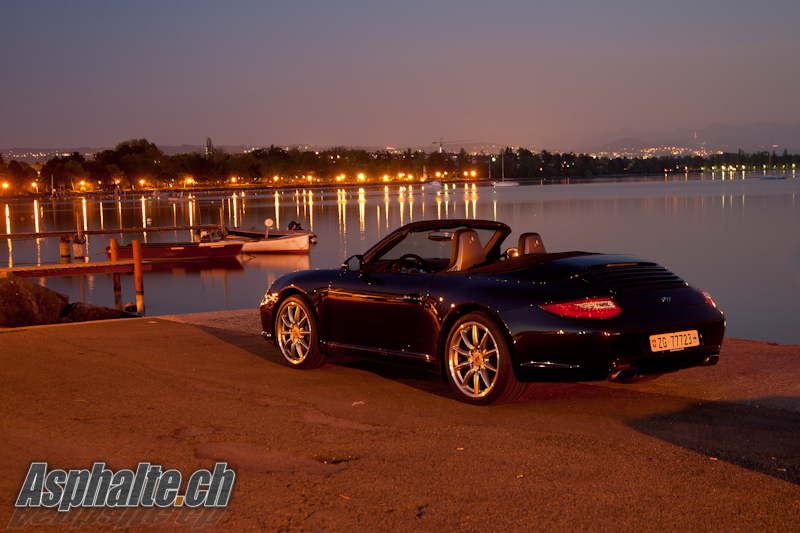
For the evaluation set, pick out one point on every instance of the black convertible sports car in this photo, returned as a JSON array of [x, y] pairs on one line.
[[440, 295]]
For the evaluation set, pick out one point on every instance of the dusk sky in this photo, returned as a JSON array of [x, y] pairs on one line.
[[544, 75]]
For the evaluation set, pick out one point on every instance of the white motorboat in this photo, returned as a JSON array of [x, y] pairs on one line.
[[272, 241]]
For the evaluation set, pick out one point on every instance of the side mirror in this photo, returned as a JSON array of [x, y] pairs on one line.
[[354, 263], [512, 253]]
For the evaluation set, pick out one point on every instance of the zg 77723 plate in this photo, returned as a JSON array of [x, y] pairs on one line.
[[672, 342]]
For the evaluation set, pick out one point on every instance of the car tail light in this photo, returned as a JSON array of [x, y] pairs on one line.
[[709, 299], [600, 307]]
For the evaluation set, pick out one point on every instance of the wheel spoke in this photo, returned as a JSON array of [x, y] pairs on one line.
[[462, 365], [467, 376], [476, 382], [485, 377], [486, 338], [466, 340], [475, 337]]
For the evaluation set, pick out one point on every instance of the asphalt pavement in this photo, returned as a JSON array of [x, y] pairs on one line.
[[364, 447]]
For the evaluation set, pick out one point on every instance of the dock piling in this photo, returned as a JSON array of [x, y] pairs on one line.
[[63, 246], [113, 249], [78, 248], [77, 243], [137, 276]]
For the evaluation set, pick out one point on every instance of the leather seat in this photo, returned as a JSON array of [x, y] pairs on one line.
[[531, 243], [466, 252]]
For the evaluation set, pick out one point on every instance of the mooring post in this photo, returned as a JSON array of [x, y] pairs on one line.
[[66, 254], [113, 253], [77, 243], [137, 276], [77, 248]]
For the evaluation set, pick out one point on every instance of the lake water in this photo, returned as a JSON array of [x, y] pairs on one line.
[[739, 238]]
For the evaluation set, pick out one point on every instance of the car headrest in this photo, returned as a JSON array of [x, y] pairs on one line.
[[531, 243], [467, 251]]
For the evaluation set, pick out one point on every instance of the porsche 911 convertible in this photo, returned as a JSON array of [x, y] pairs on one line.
[[441, 295]]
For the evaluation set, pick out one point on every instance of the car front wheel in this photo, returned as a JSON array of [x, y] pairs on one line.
[[478, 362], [296, 331]]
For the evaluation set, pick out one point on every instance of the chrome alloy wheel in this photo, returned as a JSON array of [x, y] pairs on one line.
[[473, 359], [294, 333]]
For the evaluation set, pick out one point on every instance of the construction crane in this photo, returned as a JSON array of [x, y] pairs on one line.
[[442, 142]]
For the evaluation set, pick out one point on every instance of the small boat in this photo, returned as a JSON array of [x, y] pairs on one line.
[[179, 198], [272, 241], [505, 184], [182, 251], [433, 185]]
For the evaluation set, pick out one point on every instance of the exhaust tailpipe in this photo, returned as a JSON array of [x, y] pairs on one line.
[[711, 360], [623, 373]]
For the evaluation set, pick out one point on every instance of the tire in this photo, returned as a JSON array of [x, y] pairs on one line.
[[296, 331], [478, 362]]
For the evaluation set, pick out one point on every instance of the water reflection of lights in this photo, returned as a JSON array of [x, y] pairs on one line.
[[362, 211], [310, 211], [36, 215], [85, 218], [277, 210], [8, 231], [341, 202], [386, 206]]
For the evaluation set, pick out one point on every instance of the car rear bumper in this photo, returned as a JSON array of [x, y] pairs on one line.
[[564, 349]]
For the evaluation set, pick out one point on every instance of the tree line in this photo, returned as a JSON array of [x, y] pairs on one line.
[[139, 163]]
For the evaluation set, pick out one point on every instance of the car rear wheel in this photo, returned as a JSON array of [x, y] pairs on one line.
[[478, 362], [296, 331]]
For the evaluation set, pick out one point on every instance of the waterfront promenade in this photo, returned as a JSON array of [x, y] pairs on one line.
[[362, 447]]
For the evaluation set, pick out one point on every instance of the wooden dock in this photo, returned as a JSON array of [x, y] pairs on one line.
[[125, 266], [115, 267], [71, 234]]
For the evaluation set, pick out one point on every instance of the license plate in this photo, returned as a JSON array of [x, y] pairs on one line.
[[673, 342]]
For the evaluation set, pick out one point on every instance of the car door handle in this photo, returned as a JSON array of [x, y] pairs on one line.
[[413, 297]]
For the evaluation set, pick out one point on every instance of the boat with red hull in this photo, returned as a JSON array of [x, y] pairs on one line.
[[182, 251]]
